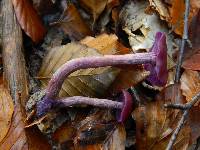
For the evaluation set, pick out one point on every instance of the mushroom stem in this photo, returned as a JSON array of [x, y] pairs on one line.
[[77, 100], [66, 69]]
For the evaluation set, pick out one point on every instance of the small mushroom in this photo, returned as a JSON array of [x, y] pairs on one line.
[[158, 70], [123, 105]]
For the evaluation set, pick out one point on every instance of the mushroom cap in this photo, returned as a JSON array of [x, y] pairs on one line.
[[122, 114], [158, 71]]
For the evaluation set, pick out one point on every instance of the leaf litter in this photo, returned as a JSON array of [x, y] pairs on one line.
[[95, 28]]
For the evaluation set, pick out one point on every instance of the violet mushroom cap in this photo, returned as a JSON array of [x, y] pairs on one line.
[[123, 114], [158, 71]]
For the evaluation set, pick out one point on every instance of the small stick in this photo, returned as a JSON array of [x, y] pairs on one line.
[[186, 107], [184, 39]]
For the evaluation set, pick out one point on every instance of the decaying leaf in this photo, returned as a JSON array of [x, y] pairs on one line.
[[29, 20], [95, 7], [92, 82], [73, 24], [155, 124], [141, 28], [190, 84], [6, 110]]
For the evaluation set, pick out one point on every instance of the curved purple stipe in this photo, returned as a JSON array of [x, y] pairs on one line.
[[158, 71], [126, 99]]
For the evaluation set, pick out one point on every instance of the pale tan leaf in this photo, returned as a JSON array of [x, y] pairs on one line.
[[92, 82], [6, 110], [190, 84]]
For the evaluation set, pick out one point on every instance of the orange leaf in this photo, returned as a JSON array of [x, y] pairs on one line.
[[6, 110], [177, 14], [29, 20]]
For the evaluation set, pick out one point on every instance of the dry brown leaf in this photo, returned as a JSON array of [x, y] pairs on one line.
[[190, 84], [92, 82], [94, 7], [155, 124], [6, 110], [29, 20], [73, 24]]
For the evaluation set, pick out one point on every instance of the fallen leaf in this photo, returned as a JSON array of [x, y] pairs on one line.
[[92, 82], [29, 20], [6, 110], [190, 84], [72, 23], [155, 124], [95, 7]]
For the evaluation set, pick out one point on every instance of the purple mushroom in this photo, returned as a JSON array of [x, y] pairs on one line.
[[158, 70], [155, 61]]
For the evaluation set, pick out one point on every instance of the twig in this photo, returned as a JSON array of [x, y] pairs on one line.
[[184, 39], [185, 107], [178, 128]]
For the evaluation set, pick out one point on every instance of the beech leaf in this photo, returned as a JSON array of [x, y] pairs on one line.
[[29, 20], [92, 82]]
